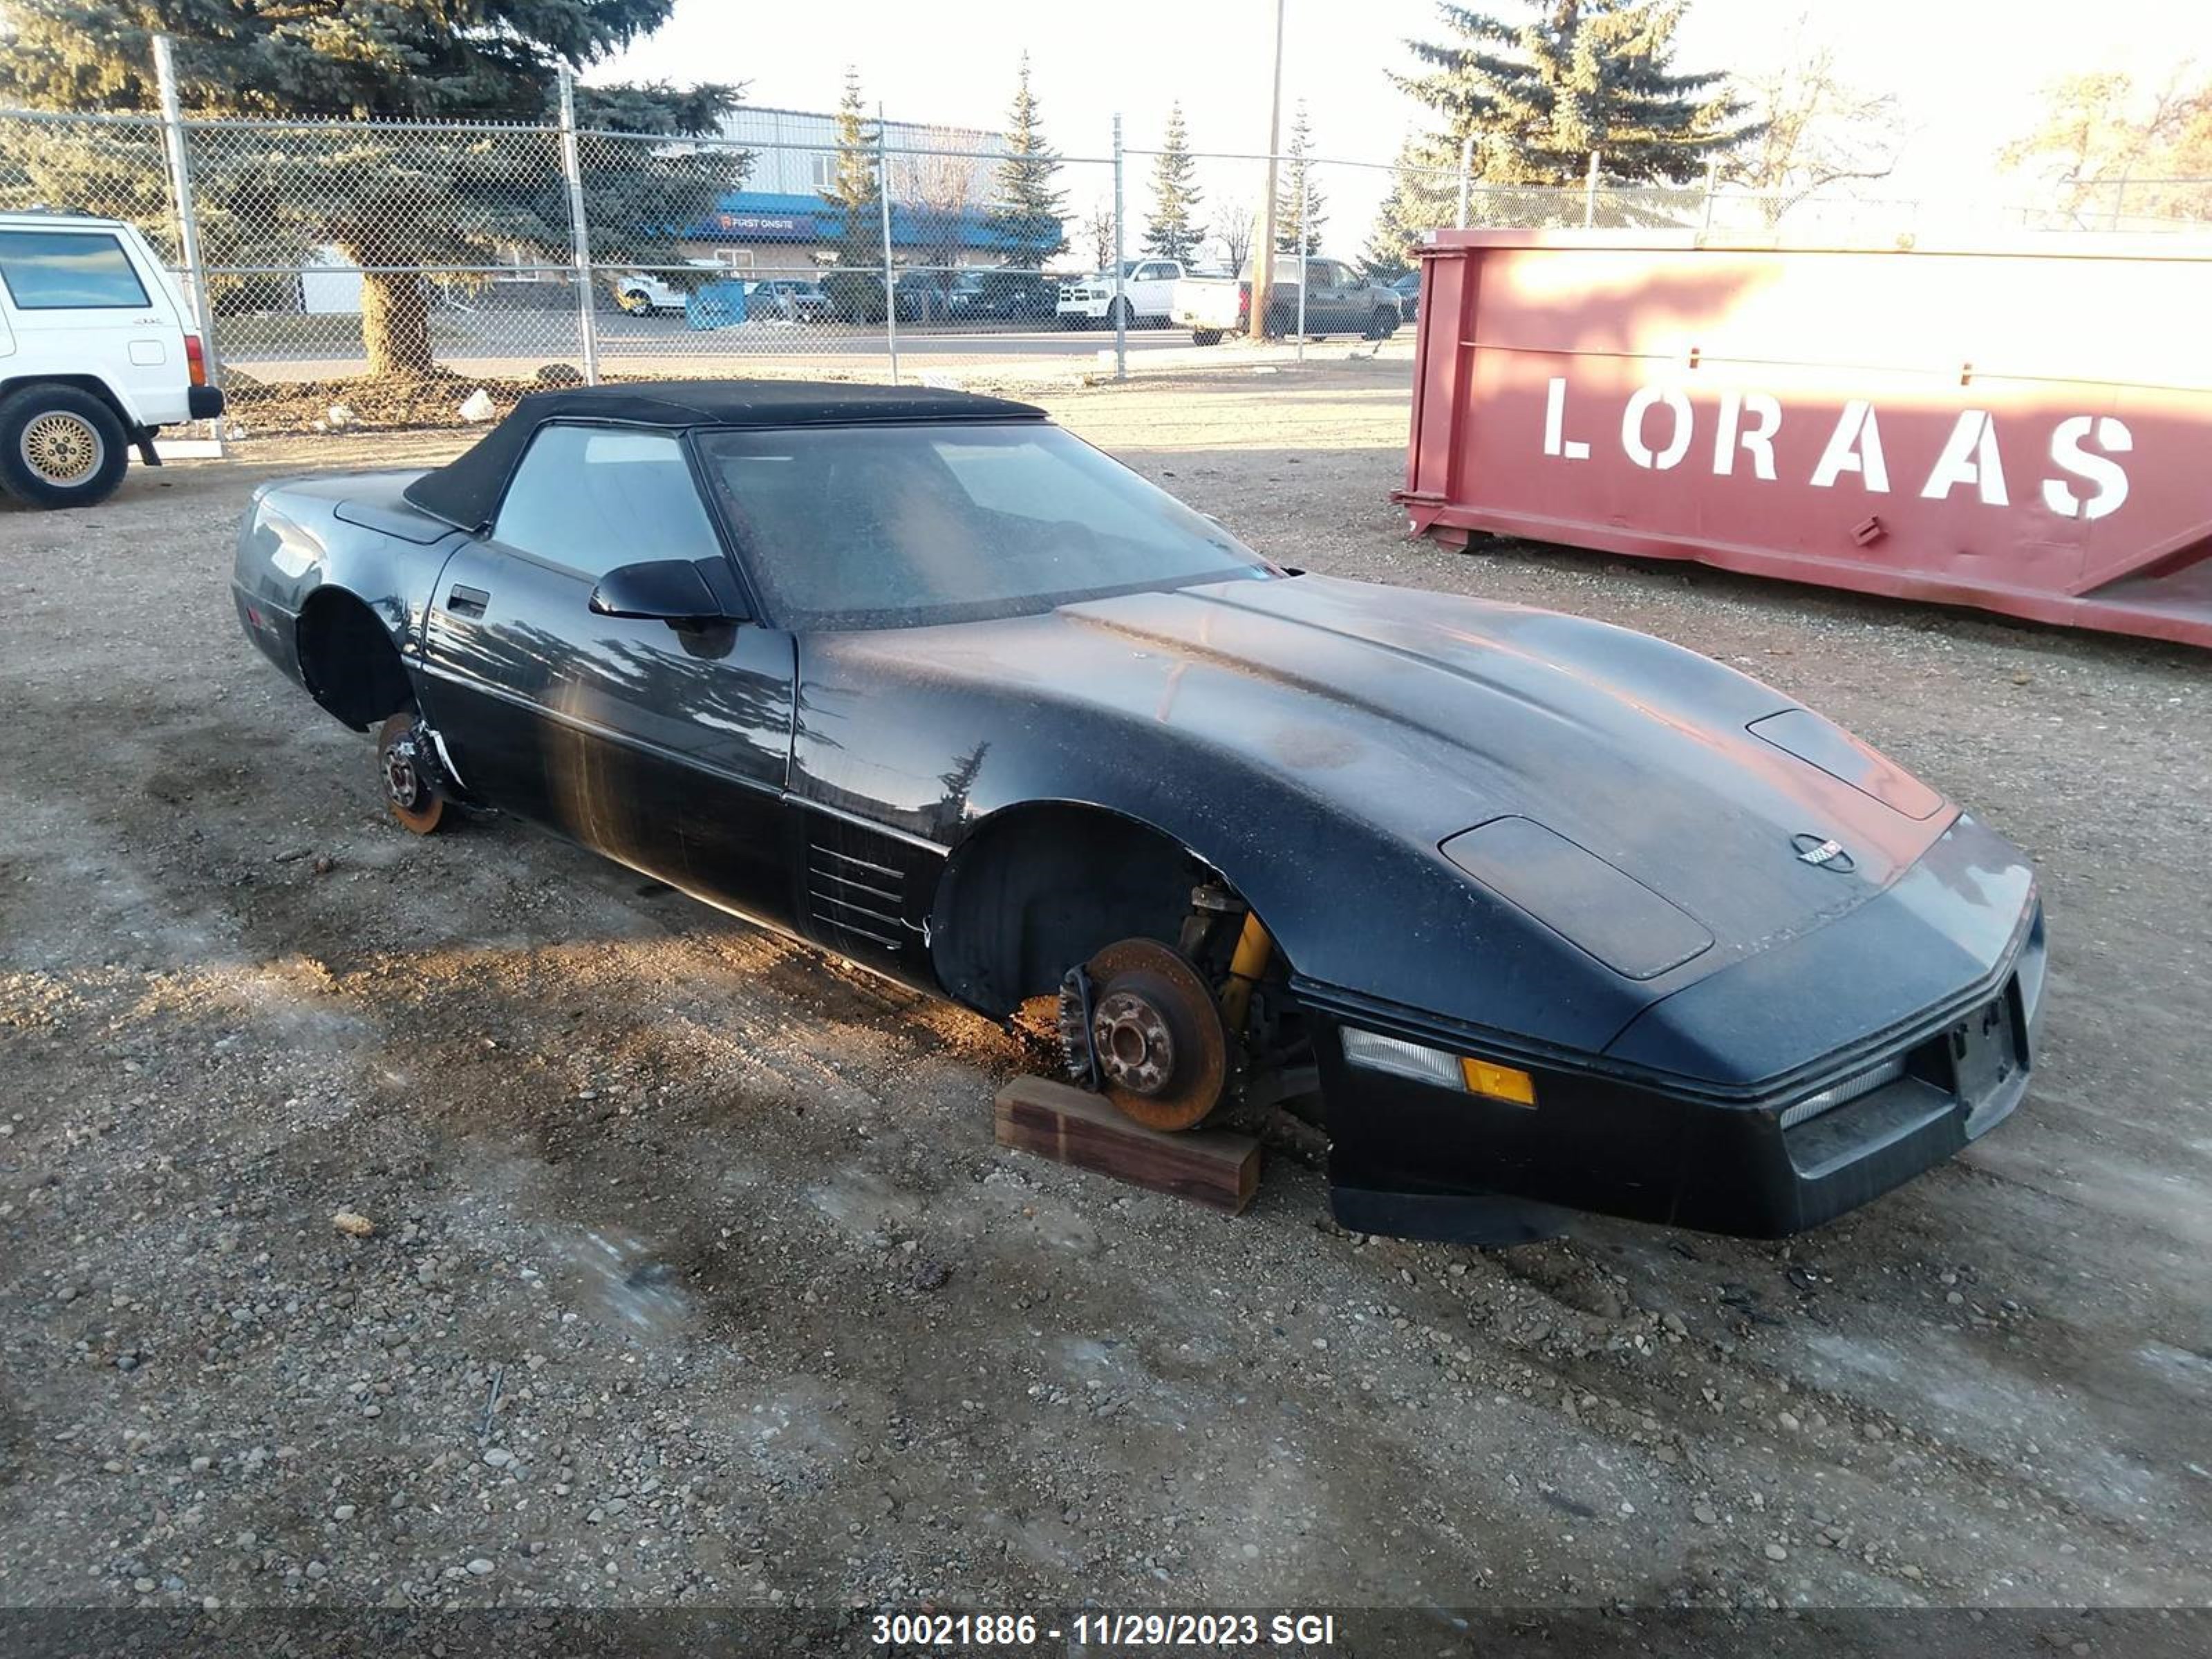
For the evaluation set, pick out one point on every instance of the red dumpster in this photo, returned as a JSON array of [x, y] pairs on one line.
[[2026, 427]]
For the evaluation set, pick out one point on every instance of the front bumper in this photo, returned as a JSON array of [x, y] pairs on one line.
[[1422, 1160]]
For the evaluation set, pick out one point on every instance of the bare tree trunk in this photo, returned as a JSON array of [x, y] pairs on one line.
[[395, 324]]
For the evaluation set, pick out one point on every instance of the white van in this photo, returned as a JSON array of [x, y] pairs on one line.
[[97, 354]]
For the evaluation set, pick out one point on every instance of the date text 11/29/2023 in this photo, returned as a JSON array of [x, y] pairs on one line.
[[1092, 1628]]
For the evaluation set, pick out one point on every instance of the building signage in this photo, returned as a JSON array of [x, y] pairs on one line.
[[764, 224]]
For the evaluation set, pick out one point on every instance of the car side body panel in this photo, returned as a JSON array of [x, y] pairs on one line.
[[352, 536]]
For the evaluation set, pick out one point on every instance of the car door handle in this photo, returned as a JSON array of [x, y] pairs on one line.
[[467, 601]]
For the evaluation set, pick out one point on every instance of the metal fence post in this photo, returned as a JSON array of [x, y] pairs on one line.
[[580, 233], [1466, 174], [1305, 168], [890, 282], [1589, 194], [1712, 186], [1121, 262], [181, 187]]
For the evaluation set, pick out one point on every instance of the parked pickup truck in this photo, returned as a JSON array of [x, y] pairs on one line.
[[98, 353], [1338, 301], [1147, 291]]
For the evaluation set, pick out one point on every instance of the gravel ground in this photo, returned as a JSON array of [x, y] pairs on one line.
[[689, 1273]]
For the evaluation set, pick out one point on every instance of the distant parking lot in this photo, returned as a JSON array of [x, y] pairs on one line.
[[508, 336]]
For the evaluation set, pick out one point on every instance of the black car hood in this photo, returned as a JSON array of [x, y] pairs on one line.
[[1632, 749], [1433, 714], [1322, 741]]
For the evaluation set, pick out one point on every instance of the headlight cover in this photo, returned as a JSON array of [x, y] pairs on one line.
[[1842, 1094], [1374, 1051]]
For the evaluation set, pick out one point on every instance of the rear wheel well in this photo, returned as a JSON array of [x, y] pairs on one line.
[[91, 383], [349, 661], [1040, 887]]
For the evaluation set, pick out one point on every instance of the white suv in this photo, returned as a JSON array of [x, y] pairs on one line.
[[97, 354]]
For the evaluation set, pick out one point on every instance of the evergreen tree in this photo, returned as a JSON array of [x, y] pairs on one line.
[[1584, 76], [1027, 209], [395, 203], [1421, 199], [856, 188], [1173, 231], [855, 194], [1299, 210]]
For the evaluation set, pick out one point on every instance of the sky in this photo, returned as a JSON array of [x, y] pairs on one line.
[[1966, 72]]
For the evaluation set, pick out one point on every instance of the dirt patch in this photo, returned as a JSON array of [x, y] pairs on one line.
[[696, 1276], [370, 403]]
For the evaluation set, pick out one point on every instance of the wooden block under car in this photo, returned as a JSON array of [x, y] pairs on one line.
[[1068, 1125]]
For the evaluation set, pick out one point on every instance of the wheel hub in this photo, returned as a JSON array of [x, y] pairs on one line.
[[62, 448], [1145, 1018], [1135, 1048], [402, 780]]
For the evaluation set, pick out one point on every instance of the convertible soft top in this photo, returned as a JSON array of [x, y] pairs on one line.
[[465, 491]]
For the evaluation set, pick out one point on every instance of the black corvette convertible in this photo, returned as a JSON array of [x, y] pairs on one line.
[[1531, 906]]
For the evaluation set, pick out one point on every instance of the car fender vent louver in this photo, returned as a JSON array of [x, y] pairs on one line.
[[857, 897]]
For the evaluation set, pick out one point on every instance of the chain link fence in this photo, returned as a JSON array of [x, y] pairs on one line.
[[385, 270], [365, 271], [2125, 204]]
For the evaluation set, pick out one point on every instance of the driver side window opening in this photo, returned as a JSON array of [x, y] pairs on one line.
[[591, 498]]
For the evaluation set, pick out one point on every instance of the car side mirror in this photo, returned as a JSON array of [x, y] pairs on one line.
[[661, 590]]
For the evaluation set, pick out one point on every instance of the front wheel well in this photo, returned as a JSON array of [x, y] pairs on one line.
[[1039, 887], [349, 661]]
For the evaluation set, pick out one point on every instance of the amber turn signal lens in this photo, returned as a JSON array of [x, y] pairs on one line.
[[1497, 1082]]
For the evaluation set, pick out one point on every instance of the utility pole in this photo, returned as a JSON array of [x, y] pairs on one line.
[[179, 153], [1263, 268]]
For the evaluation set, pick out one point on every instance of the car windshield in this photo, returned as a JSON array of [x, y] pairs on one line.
[[897, 527]]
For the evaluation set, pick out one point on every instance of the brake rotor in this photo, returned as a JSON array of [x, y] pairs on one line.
[[410, 772], [1155, 1034]]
